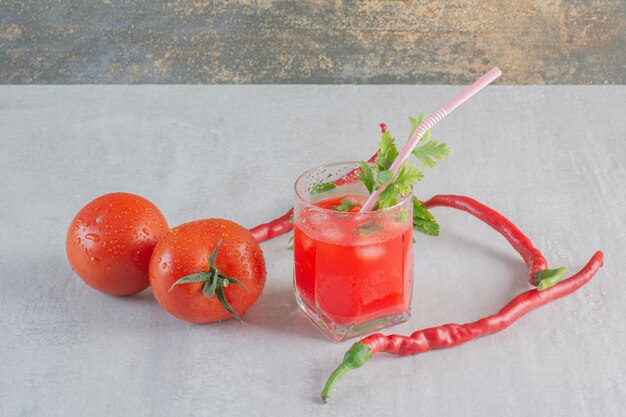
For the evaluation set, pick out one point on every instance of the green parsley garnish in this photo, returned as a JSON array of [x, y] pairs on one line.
[[423, 220], [322, 187], [346, 205], [378, 174], [429, 150], [388, 152], [368, 228], [367, 176]]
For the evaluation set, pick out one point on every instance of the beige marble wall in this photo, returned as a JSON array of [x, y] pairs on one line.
[[342, 41]]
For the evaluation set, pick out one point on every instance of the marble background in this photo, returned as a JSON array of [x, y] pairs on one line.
[[326, 42]]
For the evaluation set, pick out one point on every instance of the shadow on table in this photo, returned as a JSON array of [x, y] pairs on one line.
[[278, 311]]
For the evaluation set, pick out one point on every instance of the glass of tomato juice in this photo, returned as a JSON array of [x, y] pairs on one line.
[[353, 272]]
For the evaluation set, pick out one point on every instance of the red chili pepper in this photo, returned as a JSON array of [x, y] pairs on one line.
[[270, 230], [451, 334], [531, 255]]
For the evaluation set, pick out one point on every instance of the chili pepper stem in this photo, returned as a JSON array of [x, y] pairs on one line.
[[354, 358], [548, 277], [341, 369]]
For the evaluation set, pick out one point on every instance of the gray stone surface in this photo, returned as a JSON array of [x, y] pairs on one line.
[[551, 158], [311, 41]]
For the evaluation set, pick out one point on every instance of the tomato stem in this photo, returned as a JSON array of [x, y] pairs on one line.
[[214, 282]]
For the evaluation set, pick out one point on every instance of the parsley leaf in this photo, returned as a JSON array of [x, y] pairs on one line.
[[388, 197], [346, 205], [407, 178], [430, 151], [388, 152], [416, 121], [403, 215], [322, 187], [385, 176], [368, 228], [367, 176], [423, 220]]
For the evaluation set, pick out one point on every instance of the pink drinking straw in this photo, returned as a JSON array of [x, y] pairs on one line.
[[428, 123]]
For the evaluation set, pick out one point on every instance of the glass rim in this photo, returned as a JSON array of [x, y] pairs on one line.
[[400, 203]]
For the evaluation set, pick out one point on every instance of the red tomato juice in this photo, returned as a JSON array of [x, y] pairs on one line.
[[348, 275]]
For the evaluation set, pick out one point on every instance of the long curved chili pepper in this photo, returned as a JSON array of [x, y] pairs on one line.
[[449, 335], [452, 334], [531, 255]]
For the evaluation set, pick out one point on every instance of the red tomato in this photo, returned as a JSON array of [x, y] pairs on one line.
[[185, 250], [110, 241]]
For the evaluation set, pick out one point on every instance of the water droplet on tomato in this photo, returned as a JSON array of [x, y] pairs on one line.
[[95, 260], [86, 223], [93, 237]]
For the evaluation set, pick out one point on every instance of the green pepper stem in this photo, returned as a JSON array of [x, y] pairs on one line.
[[341, 369], [548, 277], [355, 357]]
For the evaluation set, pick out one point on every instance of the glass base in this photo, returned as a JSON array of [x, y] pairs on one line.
[[341, 332]]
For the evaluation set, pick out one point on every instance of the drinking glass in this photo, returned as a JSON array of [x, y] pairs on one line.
[[353, 271]]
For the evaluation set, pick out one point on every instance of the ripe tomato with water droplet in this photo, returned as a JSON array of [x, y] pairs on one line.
[[115, 263], [185, 250]]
